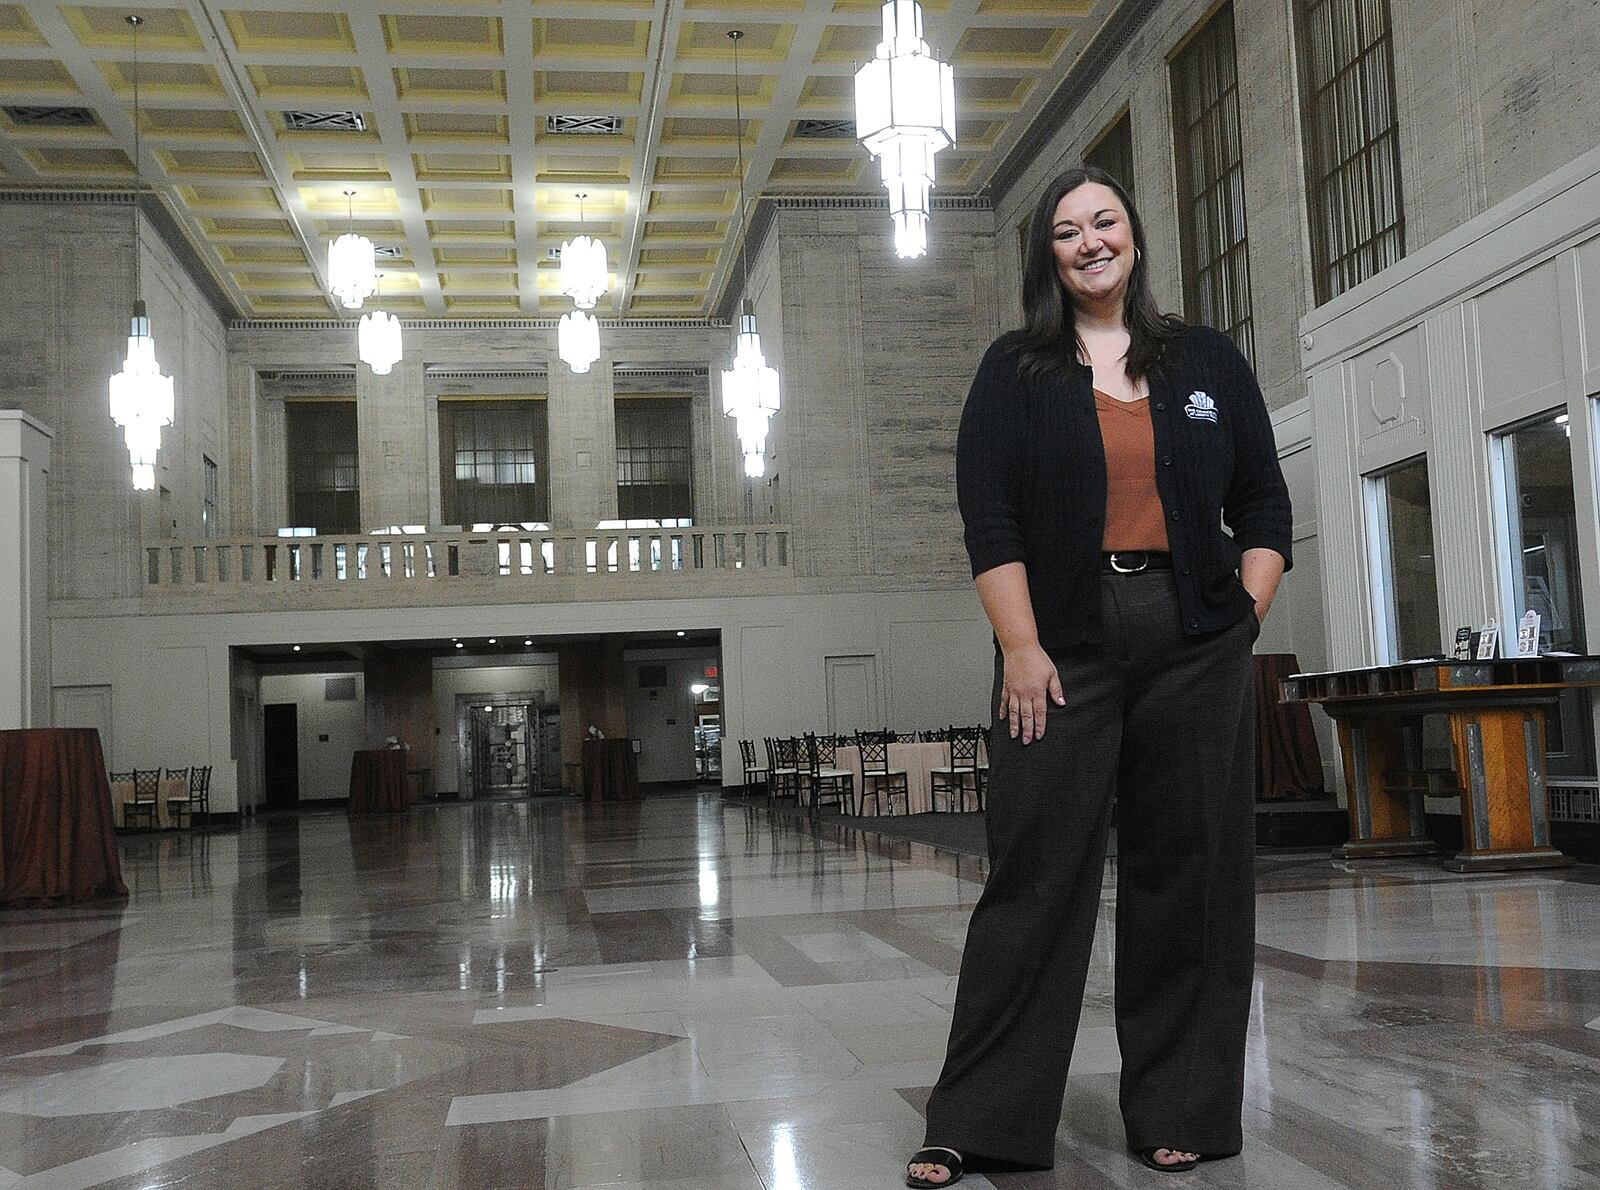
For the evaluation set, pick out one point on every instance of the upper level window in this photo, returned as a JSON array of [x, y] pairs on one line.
[[655, 473], [496, 457], [1216, 256], [1113, 152], [210, 498], [1352, 146], [324, 466]]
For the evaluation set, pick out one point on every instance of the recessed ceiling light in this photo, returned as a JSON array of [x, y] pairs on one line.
[[459, 645], [491, 640], [683, 634], [297, 648], [528, 642]]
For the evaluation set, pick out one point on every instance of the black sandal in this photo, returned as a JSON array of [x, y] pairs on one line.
[[950, 1160], [1148, 1157]]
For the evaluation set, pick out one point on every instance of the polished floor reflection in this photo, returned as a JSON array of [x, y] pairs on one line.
[[685, 993]]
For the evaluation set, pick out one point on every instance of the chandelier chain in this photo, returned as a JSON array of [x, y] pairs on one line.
[[738, 116], [138, 172]]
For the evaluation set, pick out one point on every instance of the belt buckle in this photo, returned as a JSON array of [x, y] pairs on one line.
[[1144, 563]]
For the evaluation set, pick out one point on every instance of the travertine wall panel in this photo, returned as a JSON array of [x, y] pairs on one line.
[[65, 302], [391, 421], [1533, 62]]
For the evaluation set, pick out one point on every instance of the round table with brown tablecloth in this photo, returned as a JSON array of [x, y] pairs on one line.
[[1288, 761], [610, 771], [57, 835], [378, 781]]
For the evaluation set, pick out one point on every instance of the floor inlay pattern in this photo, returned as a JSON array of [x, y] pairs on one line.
[[686, 993]]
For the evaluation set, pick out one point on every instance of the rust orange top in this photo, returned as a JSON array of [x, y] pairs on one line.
[[1134, 516]]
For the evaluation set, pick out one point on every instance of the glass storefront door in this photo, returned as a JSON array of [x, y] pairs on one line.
[[1538, 530]]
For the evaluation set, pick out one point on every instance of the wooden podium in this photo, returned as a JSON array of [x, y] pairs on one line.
[[1497, 713]]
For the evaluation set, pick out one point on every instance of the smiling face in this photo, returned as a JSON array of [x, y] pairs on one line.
[[1092, 239]]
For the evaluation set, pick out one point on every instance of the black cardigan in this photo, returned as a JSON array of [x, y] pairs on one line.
[[1031, 481]]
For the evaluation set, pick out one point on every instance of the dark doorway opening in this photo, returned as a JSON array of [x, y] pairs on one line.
[[281, 748]]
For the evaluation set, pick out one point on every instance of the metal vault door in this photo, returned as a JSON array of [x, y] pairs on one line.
[[502, 750], [509, 745]]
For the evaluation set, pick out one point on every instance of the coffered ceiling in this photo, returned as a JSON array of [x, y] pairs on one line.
[[466, 130]]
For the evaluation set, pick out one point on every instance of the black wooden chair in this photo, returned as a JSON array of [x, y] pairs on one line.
[[183, 809], [878, 780], [783, 773], [146, 801], [953, 779], [823, 781], [754, 774]]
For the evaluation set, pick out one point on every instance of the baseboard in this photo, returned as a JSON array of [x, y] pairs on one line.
[[1313, 823]]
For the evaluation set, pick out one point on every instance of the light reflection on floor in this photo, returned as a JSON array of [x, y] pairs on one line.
[[686, 993]]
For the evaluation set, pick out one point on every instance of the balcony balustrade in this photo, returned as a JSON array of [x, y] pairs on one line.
[[467, 566]]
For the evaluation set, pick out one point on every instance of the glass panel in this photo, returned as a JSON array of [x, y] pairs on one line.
[[1541, 542], [1411, 582], [1353, 183], [654, 458], [1114, 153], [1211, 181], [324, 467], [494, 455]]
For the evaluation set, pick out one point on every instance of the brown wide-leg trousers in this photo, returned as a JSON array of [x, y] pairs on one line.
[[1160, 722]]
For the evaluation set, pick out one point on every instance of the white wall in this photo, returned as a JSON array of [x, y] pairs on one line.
[[538, 677], [1489, 325], [324, 764], [24, 628], [662, 720], [171, 675]]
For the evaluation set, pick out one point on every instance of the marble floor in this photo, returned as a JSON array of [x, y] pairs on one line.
[[684, 993]]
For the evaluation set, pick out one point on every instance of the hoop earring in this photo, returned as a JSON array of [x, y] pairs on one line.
[[1136, 256]]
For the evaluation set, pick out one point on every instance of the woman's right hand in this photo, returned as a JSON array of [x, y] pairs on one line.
[[1028, 685]]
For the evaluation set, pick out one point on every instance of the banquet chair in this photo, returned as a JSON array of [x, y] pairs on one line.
[[951, 780], [182, 808], [146, 799], [823, 781], [754, 774], [878, 780], [783, 776]]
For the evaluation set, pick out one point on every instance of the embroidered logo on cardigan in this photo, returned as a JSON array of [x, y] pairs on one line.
[[1201, 407]]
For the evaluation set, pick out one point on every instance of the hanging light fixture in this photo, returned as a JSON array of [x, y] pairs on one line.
[[584, 271], [750, 388], [578, 340], [906, 113], [352, 263], [378, 339], [141, 397]]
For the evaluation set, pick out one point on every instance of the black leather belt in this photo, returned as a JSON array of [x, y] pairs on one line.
[[1134, 562]]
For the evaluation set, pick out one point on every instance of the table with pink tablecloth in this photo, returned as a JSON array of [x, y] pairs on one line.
[[918, 761]]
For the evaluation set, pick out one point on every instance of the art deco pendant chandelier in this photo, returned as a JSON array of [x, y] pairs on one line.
[[750, 387], [141, 397], [584, 271], [352, 263], [906, 113], [578, 340]]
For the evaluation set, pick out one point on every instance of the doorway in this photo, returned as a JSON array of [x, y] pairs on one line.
[[852, 689], [280, 731], [510, 745]]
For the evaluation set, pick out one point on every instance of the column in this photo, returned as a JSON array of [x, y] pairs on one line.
[[24, 625], [583, 446], [393, 431]]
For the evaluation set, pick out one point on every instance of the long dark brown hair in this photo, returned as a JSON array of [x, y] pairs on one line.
[[1050, 335]]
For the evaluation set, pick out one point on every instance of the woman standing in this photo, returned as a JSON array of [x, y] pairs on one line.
[[1101, 450]]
